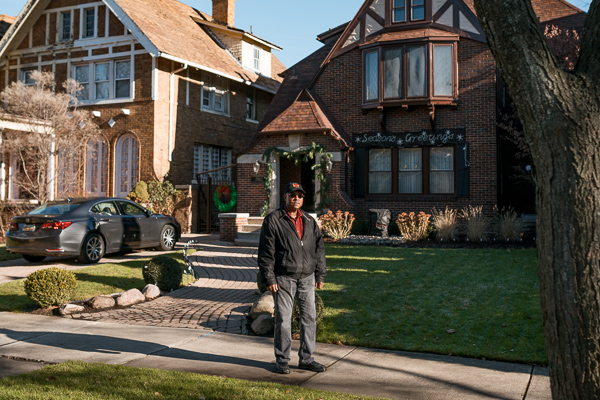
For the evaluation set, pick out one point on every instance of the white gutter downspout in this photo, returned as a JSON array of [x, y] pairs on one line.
[[171, 107]]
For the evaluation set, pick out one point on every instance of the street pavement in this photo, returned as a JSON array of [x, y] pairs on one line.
[[200, 328]]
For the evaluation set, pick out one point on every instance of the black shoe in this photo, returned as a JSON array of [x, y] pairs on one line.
[[313, 366], [283, 368]]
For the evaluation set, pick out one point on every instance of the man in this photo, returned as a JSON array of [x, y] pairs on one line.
[[291, 257]]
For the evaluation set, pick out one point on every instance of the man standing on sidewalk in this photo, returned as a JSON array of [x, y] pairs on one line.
[[291, 257]]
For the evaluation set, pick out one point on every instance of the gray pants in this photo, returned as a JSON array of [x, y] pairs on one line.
[[304, 291]]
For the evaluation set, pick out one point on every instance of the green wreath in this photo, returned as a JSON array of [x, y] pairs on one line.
[[228, 191]]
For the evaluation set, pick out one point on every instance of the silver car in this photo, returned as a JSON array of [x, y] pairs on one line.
[[89, 228]]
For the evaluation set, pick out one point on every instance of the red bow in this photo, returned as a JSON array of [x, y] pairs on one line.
[[224, 190]]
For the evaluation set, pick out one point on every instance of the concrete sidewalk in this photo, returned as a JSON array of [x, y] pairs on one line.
[[392, 374]]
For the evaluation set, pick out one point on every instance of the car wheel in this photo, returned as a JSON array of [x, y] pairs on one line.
[[92, 249], [32, 258], [167, 238]]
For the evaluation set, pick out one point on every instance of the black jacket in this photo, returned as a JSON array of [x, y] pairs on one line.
[[281, 252]]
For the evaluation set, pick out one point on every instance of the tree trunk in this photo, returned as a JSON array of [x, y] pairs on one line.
[[560, 113]]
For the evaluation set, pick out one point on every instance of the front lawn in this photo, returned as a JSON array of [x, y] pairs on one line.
[[464, 302], [92, 281], [79, 380]]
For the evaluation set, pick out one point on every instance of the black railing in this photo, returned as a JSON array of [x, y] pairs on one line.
[[207, 211]]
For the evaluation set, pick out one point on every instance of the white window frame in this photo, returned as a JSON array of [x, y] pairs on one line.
[[256, 58], [204, 161], [251, 102], [24, 75], [61, 25], [111, 79], [83, 21], [100, 146], [132, 173], [212, 93]]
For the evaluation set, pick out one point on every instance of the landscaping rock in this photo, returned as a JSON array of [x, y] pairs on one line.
[[100, 302], [151, 291], [265, 305], [67, 309], [263, 324], [130, 297]]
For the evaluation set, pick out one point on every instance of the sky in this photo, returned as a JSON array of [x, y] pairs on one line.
[[291, 25]]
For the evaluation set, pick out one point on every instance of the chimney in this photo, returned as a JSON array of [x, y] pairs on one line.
[[223, 12]]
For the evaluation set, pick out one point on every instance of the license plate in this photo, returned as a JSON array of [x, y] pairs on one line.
[[28, 228]]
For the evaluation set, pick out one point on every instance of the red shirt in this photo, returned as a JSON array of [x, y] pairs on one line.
[[298, 223]]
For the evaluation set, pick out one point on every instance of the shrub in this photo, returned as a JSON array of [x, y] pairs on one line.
[[163, 196], [510, 226], [337, 226], [50, 286], [164, 272], [445, 223], [476, 223], [139, 193], [320, 306], [413, 226]]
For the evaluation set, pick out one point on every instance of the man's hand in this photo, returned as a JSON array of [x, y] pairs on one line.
[[272, 288], [319, 285]]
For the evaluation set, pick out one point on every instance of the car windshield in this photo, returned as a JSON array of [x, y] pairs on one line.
[[54, 209]]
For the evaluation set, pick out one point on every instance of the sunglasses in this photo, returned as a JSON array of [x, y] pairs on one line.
[[299, 195]]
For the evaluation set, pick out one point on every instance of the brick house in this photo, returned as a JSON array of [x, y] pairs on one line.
[[406, 99], [173, 89]]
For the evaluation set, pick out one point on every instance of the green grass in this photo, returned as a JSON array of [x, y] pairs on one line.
[[472, 303], [92, 281], [79, 380], [5, 255]]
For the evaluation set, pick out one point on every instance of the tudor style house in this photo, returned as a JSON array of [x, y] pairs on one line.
[[405, 98], [173, 89]]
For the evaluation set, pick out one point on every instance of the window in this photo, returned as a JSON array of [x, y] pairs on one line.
[[96, 168], [26, 77], [399, 11], [207, 158], [89, 23], [420, 170], [417, 10], [105, 208], [371, 75], [256, 58], [214, 97], [127, 164], [410, 73], [251, 104], [65, 26], [112, 80], [67, 172], [131, 209]]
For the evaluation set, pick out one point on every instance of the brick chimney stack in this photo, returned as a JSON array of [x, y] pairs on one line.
[[224, 11]]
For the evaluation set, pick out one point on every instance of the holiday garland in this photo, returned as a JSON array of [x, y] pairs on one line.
[[297, 155], [228, 191]]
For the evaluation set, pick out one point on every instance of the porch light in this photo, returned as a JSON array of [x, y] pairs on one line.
[[256, 167], [328, 165]]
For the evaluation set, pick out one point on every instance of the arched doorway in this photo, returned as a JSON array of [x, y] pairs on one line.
[[126, 164], [96, 167]]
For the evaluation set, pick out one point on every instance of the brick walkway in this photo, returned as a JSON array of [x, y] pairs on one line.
[[218, 300]]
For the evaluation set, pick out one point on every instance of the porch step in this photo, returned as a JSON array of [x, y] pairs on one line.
[[255, 220], [248, 239], [249, 228]]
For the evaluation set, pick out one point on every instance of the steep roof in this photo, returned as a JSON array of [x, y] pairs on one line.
[[167, 28], [5, 22]]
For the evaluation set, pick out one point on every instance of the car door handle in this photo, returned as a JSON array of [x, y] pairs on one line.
[[101, 219]]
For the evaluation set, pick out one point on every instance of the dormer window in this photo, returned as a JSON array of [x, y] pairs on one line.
[[65, 26], [415, 8], [418, 73], [89, 23], [256, 54]]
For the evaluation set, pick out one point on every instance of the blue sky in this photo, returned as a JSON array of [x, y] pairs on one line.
[[291, 25]]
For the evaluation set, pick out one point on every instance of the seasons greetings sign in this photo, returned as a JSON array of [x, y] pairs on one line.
[[410, 139]]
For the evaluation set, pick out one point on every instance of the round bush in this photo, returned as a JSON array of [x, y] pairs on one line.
[[261, 282], [320, 306], [50, 286], [164, 272]]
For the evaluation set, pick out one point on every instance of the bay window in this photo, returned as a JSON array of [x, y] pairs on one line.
[[412, 73]]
